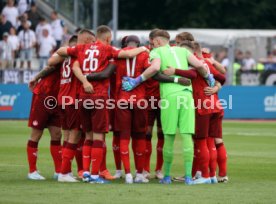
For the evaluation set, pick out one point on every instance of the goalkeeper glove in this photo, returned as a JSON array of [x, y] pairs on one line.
[[210, 80], [130, 83]]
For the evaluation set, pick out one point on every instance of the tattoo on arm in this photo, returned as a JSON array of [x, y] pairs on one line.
[[45, 72]]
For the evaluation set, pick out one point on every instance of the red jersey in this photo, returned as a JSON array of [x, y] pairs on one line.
[[133, 68], [113, 86], [205, 104], [49, 85], [69, 84], [93, 58], [152, 88]]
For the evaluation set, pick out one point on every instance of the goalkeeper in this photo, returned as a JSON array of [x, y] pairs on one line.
[[177, 113]]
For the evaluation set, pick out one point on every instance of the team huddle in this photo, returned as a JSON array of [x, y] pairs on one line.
[[100, 88]]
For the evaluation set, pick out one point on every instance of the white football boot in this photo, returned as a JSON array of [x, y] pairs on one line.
[[35, 176]]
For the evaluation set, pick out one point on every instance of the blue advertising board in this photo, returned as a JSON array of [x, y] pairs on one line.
[[15, 101], [249, 102], [242, 102]]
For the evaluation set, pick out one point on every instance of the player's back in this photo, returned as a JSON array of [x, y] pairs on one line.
[[171, 57], [152, 88], [69, 84], [132, 67], [200, 98], [49, 85], [93, 58]]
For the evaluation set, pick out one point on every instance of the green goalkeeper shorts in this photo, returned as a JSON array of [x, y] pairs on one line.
[[177, 111]]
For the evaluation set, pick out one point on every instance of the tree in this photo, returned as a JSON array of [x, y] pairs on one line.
[[173, 14]]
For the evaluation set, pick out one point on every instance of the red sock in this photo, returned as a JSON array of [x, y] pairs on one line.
[[140, 154], [222, 159], [124, 151], [148, 152], [56, 151], [32, 155], [159, 152], [86, 155], [196, 160], [103, 164], [133, 145], [213, 156], [68, 154], [96, 156], [78, 154], [116, 152], [203, 156]]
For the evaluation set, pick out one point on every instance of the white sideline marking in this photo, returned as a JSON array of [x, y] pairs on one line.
[[250, 134]]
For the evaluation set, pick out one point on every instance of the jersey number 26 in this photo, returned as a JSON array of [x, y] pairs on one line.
[[91, 62]]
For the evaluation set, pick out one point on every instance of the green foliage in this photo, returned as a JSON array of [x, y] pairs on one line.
[[173, 14]]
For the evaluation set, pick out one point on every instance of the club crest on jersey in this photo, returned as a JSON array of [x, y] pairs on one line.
[[35, 123]]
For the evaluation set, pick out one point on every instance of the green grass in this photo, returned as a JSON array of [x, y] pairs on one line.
[[252, 172]]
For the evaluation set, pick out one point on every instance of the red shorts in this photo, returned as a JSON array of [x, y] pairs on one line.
[[70, 118], [154, 114], [209, 125], [94, 117], [42, 117], [112, 119], [131, 121]]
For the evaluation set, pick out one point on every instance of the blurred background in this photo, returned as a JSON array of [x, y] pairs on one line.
[[240, 34]]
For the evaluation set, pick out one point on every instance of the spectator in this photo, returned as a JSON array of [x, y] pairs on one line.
[[23, 6], [22, 20], [238, 61], [57, 27], [33, 16], [66, 36], [46, 45], [27, 41], [224, 59], [5, 25], [14, 40], [11, 12], [43, 24], [271, 57], [248, 62], [6, 52]]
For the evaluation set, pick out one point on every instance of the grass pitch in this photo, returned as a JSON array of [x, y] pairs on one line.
[[251, 168]]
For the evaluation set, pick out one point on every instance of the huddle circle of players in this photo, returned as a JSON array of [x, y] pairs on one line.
[[90, 69]]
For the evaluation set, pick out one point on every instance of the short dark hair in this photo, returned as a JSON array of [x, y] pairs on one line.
[[196, 46], [161, 33], [55, 12], [73, 38], [185, 36], [188, 43], [152, 32], [103, 29], [123, 42], [42, 19], [78, 30], [133, 38], [85, 30]]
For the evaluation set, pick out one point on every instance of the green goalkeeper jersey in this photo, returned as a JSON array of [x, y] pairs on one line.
[[175, 57]]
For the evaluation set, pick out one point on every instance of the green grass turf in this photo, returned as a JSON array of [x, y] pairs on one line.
[[252, 172]]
